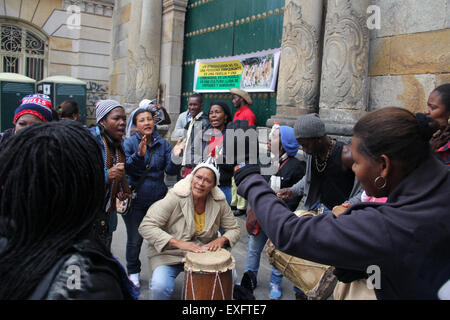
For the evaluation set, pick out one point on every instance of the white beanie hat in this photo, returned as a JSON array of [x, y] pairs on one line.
[[104, 107], [209, 163]]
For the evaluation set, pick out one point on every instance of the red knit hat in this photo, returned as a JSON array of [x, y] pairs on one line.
[[38, 105]]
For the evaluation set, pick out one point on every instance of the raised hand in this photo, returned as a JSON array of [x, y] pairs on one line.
[[178, 148], [142, 146]]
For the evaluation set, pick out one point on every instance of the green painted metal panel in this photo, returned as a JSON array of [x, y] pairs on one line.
[[11, 94], [76, 93], [236, 27]]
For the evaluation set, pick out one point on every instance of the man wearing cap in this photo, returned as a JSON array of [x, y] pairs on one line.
[[111, 123], [241, 100], [34, 108], [329, 180]]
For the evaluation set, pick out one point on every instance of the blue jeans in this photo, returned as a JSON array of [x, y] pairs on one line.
[[163, 281], [227, 191], [134, 240], [112, 222], [255, 247]]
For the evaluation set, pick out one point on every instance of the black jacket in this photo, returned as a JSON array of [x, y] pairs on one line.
[[290, 173], [200, 154], [7, 134], [87, 272]]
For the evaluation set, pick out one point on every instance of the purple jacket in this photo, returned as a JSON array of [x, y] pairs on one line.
[[403, 237]]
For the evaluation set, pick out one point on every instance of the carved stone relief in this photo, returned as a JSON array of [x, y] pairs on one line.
[[345, 58], [144, 76], [131, 78], [299, 69]]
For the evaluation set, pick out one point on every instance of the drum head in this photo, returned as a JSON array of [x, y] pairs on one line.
[[209, 261]]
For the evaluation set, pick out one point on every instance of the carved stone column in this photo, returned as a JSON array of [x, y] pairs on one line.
[[299, 74], [173, 17], [344, 86], [134, 28], [149, 50]]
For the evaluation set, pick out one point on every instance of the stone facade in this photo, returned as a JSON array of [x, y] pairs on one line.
[[78, 38], [300, 58], [410, 53], [375, 54], [350, 56], [147, 53]]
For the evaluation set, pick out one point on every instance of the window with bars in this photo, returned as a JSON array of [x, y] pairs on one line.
[[22, 51]]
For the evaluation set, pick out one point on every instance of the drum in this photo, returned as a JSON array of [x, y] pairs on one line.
[[208, 275], [316, 280]]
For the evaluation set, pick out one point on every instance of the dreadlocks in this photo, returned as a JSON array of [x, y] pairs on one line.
[[51, 187]]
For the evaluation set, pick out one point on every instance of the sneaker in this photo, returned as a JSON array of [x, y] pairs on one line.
[[275, 292], [134, 277]]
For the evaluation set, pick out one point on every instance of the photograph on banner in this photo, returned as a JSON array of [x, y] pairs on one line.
[[254, 72]]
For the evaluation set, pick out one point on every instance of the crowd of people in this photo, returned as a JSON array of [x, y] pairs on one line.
[[61, 184]]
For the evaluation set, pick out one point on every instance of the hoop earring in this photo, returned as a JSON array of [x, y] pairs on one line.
[[376, 182]]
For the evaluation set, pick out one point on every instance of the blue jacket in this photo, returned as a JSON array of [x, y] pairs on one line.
[[95, 131], [153, 188]]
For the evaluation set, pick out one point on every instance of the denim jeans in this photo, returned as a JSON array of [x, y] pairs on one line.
[[134, 240], [255, 247], [163, 281], [227, 191], [112, 222]]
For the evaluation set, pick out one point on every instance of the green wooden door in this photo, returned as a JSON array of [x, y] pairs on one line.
[[223, 28]]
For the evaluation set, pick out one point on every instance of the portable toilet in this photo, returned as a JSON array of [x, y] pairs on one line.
[[61, 88], [13, 87]]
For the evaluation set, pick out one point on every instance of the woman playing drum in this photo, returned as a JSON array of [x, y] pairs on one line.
[[186, 220]]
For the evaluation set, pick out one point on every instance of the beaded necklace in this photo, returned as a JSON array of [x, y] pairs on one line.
[[322, 165]]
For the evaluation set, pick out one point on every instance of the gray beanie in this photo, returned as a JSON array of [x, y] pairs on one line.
[[104, 107], [309, 126]]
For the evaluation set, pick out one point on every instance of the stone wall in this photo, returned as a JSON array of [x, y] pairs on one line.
[[147, 54], [410, 53], [136, 52], [373, 53], [80, 51], [346, 67]]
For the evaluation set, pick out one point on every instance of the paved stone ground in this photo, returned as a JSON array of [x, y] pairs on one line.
[[239, 252]]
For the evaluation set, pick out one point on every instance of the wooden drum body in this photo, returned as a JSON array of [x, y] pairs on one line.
[[208, 276], [316, 280]]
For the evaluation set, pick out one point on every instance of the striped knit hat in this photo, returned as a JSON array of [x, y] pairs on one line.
[[38, 105], [103, 107]]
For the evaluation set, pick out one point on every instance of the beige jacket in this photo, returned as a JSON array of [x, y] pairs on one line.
[[173, 217]]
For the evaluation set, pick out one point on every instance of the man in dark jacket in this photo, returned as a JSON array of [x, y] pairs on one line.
[[329, 180]]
